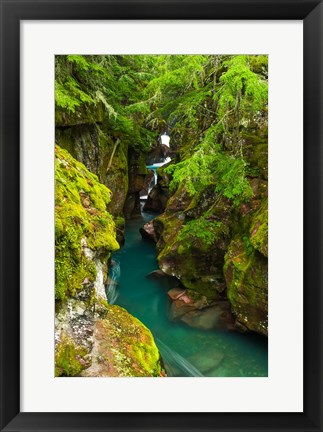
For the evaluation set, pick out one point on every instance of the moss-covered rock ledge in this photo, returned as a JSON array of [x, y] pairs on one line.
[[122, 347], [92, 338], [84, 230]]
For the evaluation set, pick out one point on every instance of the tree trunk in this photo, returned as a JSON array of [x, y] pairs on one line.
[[112, 154]]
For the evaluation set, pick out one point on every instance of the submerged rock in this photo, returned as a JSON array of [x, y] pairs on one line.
[[200, 312], [208, 362], [176, 293], [218, 316]]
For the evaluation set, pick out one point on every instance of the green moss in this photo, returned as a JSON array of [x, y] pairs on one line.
[[69, 358], [71, 267], [180, 200], [167, 228], [256, 152], [80, 216], [191, 259], [181, 249], [93, 144], [120, 222], [203, 232], [259, 229], [163, 177], [142, 170], [117, 176], [246, 274], [126, 346], [138, 341]]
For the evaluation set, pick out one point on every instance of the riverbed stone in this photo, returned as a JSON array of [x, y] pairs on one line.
[[213, 317], [200, 312], [207, 361]]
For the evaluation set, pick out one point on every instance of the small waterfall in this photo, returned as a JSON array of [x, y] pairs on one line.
[[159, 164], [113, 279], [175, 364], [168, 159], [153, 180], [154, 170]]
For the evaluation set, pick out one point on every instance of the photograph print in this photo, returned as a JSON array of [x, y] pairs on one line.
[[161, 216]]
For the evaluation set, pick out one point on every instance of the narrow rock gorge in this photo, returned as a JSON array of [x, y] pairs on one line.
[[161, 198]]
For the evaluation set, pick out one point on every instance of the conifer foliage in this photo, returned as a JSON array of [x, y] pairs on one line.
[[206, 102]]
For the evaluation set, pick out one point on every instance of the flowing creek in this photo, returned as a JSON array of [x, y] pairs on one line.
[[186, 351]]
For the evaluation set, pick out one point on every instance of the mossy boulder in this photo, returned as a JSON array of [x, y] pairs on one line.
[[123, 347], [103, 340], [179, 201], [198, 267], [205, 241], [201, 312], [84, 230], [166, 227], [246, 275], [192, 247]]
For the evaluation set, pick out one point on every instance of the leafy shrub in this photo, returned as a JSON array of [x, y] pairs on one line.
[[204, 230]]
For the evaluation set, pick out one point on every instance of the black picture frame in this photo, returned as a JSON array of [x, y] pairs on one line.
[[12, 12]]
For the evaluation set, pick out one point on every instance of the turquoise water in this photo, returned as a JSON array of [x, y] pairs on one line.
[[186, 351]]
